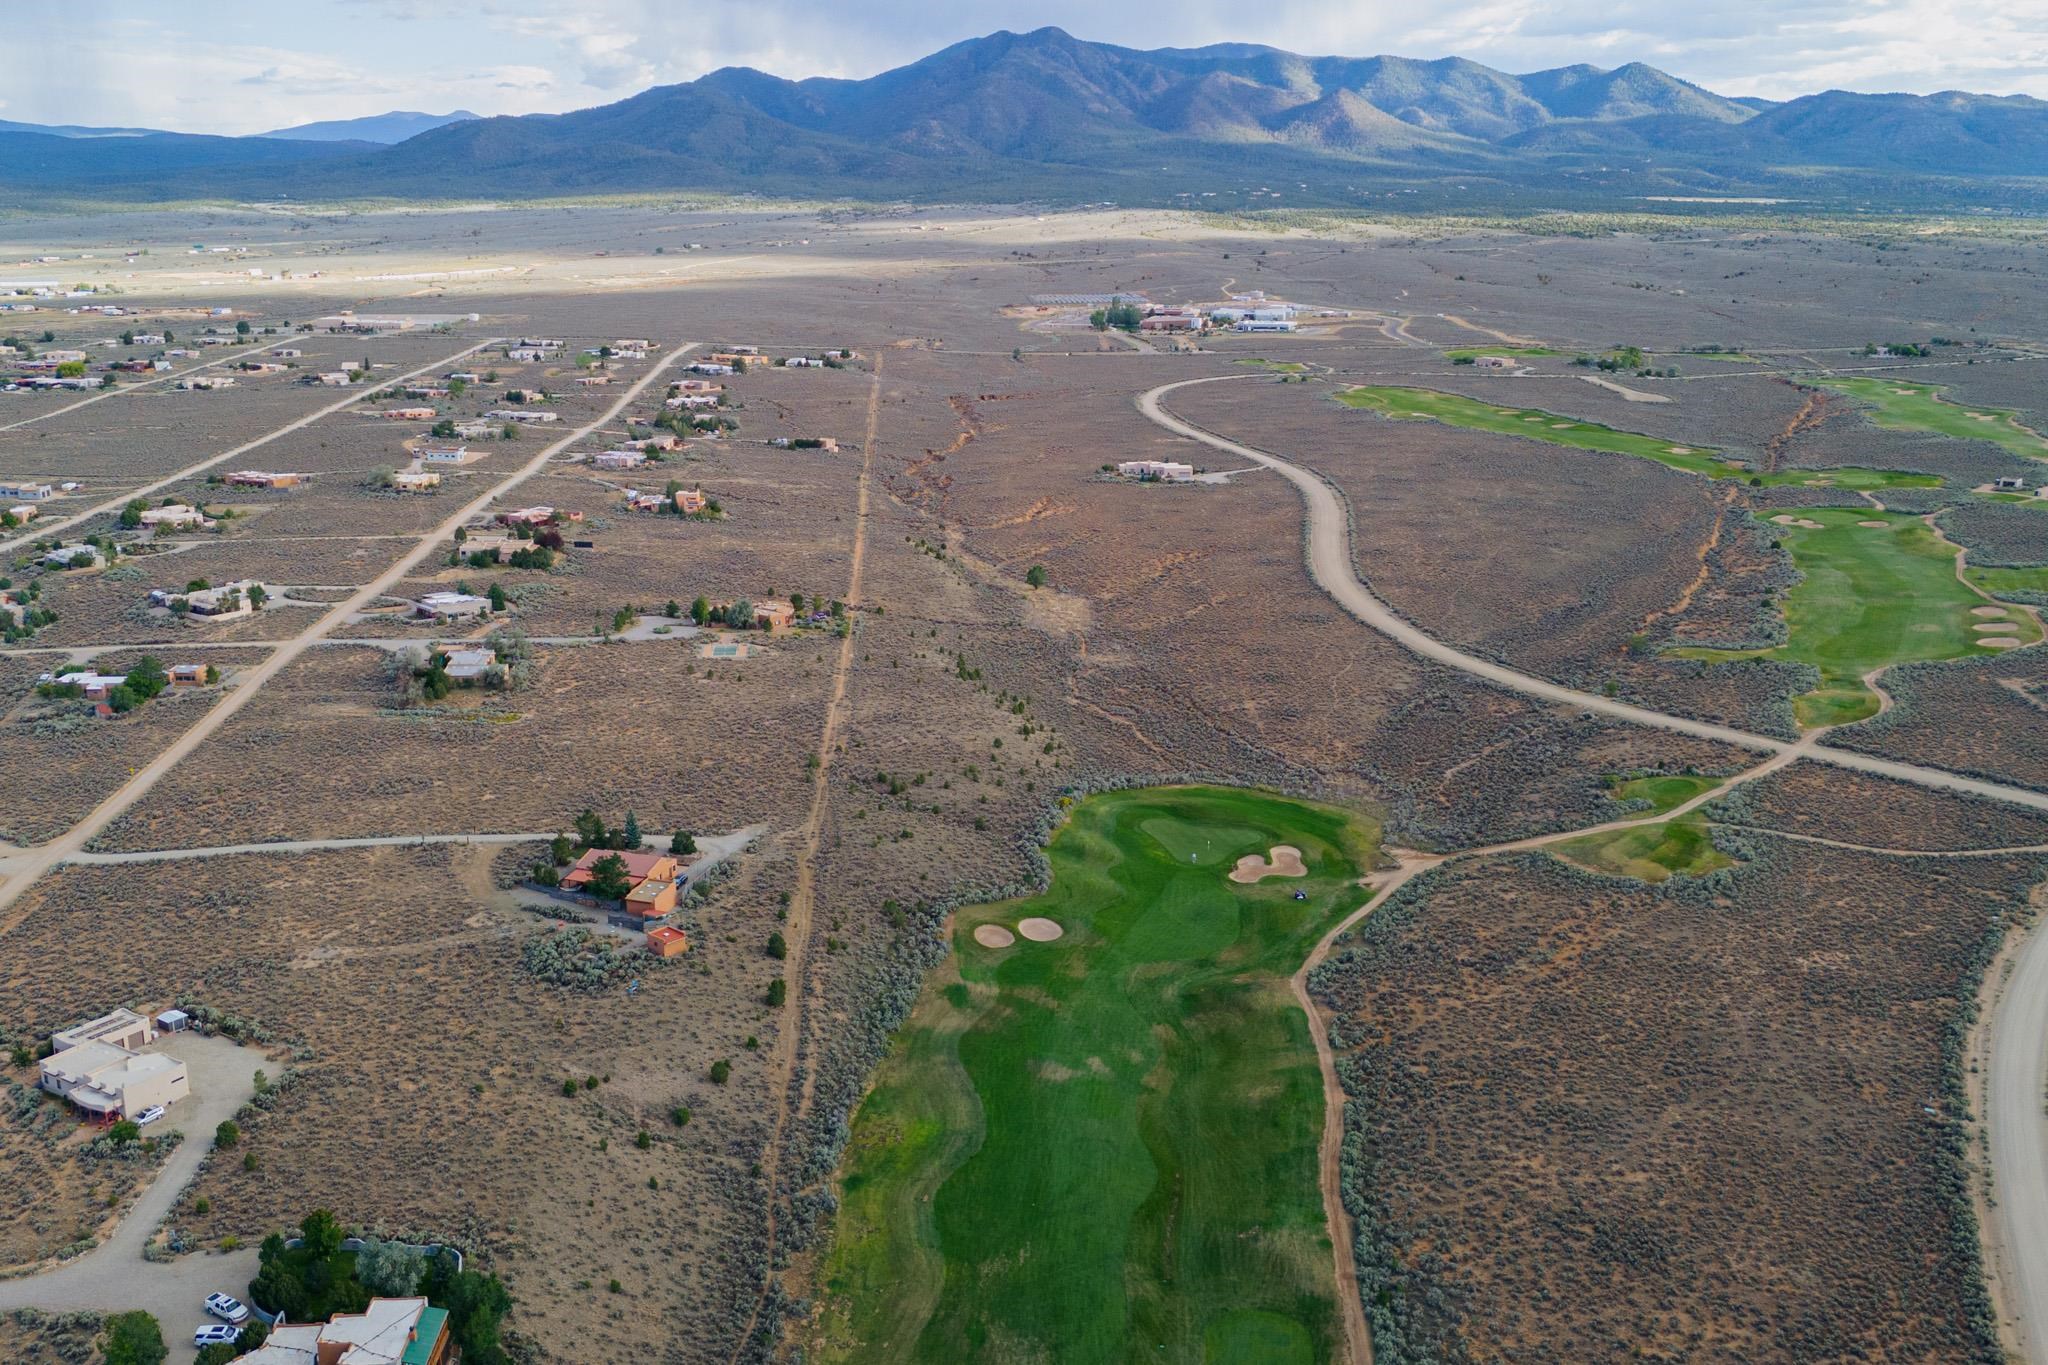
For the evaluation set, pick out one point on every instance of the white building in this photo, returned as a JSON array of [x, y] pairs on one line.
[[1164, 471], [177, 516], [74, 557], [228, 600], [619, 459], [449, 606], [523, 416], [100, 1067], [470, 665]]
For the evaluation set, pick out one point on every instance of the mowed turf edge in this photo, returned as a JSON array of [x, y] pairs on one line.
[[1104, 1148]]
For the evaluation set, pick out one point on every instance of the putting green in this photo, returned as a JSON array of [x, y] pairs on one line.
[[1902, 406], [1456, 410], [1103, 1148], [1871, 596], [1663, 792], [1649, 853]]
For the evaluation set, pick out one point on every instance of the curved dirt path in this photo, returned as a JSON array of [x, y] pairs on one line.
[[1330, 566], [2019, 1141]]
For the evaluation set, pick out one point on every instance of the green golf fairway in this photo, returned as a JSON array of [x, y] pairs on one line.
[[1456, 410], [1871, 597], [1474, 352], [1649, 853], [1663, 792], [1901, 406], [1103, 1148], [1997, 580]]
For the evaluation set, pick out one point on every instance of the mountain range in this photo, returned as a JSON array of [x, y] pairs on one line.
[[1044, 115]]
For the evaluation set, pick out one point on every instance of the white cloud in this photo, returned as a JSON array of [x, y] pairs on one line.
[[243, 65]]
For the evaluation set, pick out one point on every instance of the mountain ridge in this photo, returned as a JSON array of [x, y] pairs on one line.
[[1046, 115]]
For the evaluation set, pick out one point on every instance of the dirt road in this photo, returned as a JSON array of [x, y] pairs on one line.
[[803, 897], [2019, 1139], [44, 529], [1330, 565], [23, 868]]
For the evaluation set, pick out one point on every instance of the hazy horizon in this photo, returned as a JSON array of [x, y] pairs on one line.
[[236, 67]]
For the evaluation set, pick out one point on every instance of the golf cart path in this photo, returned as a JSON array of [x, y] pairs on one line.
[[1328, 553], [2019, 1140]]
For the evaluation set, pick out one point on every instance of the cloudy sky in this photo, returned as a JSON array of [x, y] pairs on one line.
[[239, 66]]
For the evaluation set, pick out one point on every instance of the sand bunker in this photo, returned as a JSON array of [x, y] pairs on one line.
[[1039, 930], [993, 936], [1988, 611], [1678, 450], [2001, 642], [1787, 519], [1286, 863], [1880, 525]]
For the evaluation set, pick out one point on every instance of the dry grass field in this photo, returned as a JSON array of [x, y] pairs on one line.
[[1593, 1120], [1646, 1105], [32, 1338]]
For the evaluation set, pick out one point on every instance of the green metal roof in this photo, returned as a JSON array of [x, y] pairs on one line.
[[433, 1322]]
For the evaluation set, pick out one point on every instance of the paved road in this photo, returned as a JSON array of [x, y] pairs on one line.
[[2019, 1047], [113, 1277], [41, 529], [23, 868]]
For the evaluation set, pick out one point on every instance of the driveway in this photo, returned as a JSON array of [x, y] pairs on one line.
[[113, 1277]]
